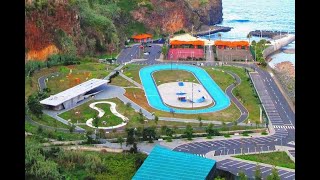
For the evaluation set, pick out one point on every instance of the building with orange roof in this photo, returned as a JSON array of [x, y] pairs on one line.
[[186, 46], [231, 44], [141, 37]]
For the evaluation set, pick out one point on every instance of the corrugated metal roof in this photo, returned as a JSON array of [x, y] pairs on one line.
[[73, 92], [162, 163]]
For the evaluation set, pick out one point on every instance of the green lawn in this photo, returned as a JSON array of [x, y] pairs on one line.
[[84, 72], [274, 158], [61, 83], [120, 81], [62, 136], [132, 71], [244, 92], [49, 121], [86, 113], [167, 76]]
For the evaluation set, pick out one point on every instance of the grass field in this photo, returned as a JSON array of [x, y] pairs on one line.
[[67, 78], [86, 113], [274, 158], [60, 83], [61, 136], [244, 92], [167, 76], [49, 121], [120, 81], [132, 71]]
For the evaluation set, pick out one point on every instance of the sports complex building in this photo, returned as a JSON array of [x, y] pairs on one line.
[[163, 163], [70, 97]]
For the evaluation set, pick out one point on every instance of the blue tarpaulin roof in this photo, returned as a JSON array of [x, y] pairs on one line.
[[163, 163]]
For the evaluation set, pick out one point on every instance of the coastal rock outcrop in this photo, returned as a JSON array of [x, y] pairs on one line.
[[169, 16], [85, 27]]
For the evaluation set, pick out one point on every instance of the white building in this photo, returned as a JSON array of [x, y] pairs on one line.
[[72, 96]]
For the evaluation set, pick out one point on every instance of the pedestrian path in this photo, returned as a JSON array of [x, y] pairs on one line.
[[130, 80], [283, 127]]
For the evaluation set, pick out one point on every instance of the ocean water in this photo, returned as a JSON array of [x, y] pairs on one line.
[[248, 15]]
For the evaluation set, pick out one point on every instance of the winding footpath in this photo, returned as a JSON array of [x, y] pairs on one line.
[[102, 112]]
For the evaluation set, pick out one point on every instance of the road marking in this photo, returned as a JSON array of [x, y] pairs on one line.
[[243, 165], [250, 167], [223, 167], [229, 141], [289, 176], [202, 143], [227, 162], [265, 171], [236, 163], [197, 145], [190, 146], [286, 172]]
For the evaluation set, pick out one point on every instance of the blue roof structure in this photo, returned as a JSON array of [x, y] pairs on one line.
[[163, 163]]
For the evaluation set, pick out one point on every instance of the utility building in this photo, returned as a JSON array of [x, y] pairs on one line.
[[70, 97]]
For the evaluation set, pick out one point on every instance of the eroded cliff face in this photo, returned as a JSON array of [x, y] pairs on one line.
[[41, 28], [57, 25], [169, 16]]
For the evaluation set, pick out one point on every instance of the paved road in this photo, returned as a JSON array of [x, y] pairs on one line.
[[132, 53], [243, 110], [42, 80], [234, 166]]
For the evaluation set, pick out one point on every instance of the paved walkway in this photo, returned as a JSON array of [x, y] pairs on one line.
[[102, 112], [130, 80], [42, 80]]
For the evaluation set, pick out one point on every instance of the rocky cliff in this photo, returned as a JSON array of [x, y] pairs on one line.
[[169, 16], [90, 27]]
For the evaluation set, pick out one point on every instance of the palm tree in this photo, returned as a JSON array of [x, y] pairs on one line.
[[249, 36], [219, 35]]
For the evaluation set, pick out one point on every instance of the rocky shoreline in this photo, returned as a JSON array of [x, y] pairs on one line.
[[285, 72], [205, 31]]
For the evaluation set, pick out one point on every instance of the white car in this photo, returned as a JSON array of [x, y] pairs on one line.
[[146, 53]]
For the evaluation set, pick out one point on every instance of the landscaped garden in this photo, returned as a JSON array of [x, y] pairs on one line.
[[82, 113], [274, 158]]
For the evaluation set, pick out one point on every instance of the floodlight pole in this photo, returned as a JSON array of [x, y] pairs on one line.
[[192, 95]]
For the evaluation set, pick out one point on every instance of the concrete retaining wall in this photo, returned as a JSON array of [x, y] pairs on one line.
[[279, 43]]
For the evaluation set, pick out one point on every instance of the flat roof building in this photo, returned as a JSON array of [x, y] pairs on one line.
[[163, 163], [72, 96]]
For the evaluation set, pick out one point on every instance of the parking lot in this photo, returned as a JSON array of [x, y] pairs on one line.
[[249, 169]]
